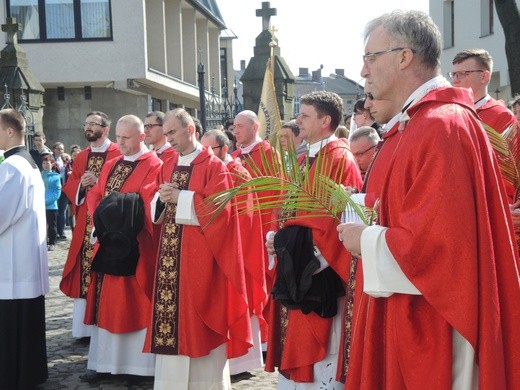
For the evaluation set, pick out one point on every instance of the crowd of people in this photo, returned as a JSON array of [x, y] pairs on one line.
[[167, 284]]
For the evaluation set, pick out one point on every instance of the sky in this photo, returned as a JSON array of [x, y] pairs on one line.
[[310, 33]]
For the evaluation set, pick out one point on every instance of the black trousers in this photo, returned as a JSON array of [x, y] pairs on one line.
[[63, 201], [52, 231]]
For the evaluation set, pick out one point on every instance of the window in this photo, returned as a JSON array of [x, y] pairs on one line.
[[223, 66], [43, 20], [486, 17], [448, 24]]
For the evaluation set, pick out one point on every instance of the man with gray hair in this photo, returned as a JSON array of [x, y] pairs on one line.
[[363, 143], [437, 304], [199, 315]]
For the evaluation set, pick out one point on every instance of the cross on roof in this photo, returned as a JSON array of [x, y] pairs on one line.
[[11, 28], [266, 12]]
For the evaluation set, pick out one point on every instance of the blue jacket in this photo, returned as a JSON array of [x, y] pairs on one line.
[[52, 183]]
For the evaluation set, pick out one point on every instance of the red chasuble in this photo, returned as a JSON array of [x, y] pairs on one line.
[[121, 304], [254, 163], [496, 115], [199, 298], [297, 340], [253, 248], [76, 272], [442, 200]]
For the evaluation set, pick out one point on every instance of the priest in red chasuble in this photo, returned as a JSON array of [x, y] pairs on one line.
[[199, 316], [304, 345], [440, 269], [85, 172], [118, 306], [253, 250], [253, 153]]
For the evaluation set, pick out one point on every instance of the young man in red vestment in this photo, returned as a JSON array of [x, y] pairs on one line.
[[304, 347], [253, 251], [472, 69], [85, 172], [118, 304], [199, 316], [439, 271], [153, 129]]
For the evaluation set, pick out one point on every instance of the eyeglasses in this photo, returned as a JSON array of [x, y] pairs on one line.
[[369, 96], [463, 73], [359, 154], [92, 124], [150, 125], [370, 57]]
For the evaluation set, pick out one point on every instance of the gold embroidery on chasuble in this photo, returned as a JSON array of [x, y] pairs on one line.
[[121, 171], [165, 321], [116, 179], [349, 310], [95, 162]]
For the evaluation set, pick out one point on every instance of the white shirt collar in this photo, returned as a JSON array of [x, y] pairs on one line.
[[101, 148], [186, 160], [419, 93], [482, 101], [228, 159], [163, 148], [316, 147], [247, 149], [134, 157]]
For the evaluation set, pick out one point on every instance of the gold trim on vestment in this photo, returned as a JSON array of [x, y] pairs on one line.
[[165, 321]]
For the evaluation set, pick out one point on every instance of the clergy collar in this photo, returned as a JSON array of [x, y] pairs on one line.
[[482, 101], [419, 93], [13, 150], [387, 126], [101, 148], [134, 157], [227, 159], [163, 148], [316, 147], [247, 149], [188, 158]]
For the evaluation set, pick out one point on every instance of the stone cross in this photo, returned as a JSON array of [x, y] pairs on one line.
[[266, 12], [11, 28]]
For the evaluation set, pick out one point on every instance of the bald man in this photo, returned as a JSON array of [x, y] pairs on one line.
[[118, 305]]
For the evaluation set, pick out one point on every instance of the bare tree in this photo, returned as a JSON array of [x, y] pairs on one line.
[[509, 17]]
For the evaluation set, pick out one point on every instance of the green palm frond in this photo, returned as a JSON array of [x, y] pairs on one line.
[[507, 151], [297, 193]]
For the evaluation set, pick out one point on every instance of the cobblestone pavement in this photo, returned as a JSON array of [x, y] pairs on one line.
[[67, 359]]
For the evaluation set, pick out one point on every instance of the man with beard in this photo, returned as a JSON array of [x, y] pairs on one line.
[[87, 166]]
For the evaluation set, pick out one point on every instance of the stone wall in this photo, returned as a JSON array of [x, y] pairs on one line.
[[63, 119]]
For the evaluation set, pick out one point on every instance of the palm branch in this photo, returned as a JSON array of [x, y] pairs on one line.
[[299, 196], [507, 151]]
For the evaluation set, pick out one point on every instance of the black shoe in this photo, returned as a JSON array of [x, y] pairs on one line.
[[136, 380], [94, 377], [83, 341], [62, 237], [246, 375]]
